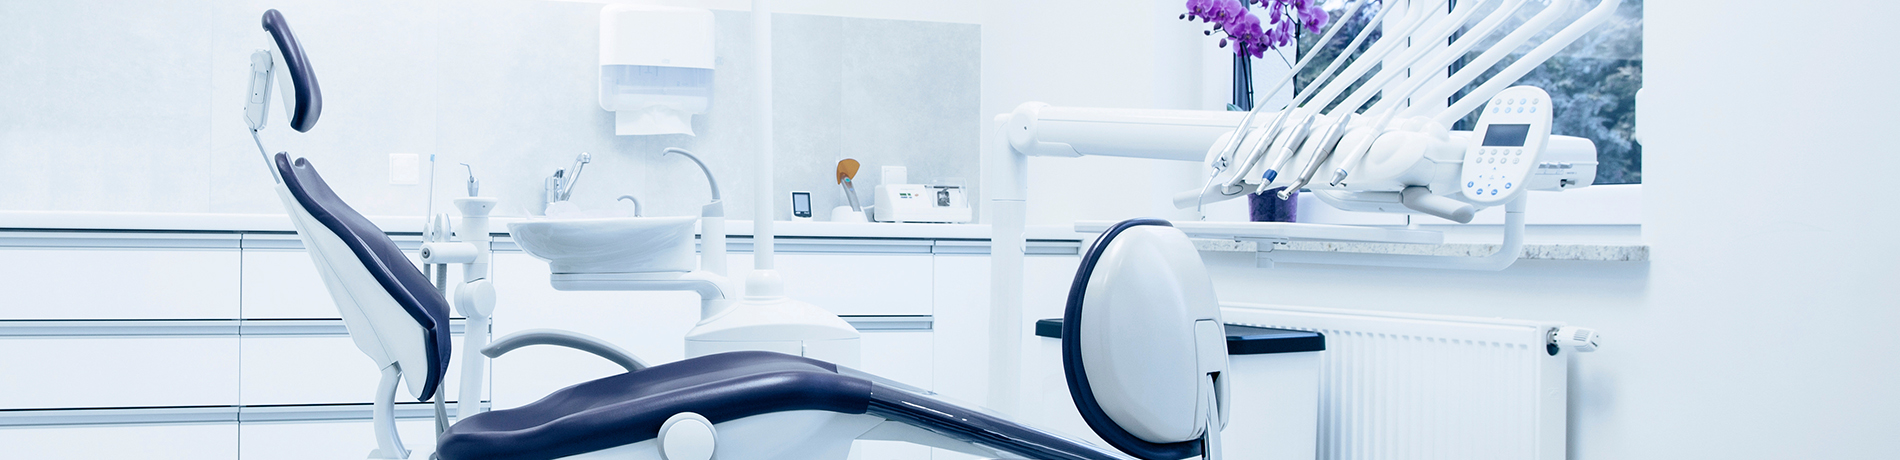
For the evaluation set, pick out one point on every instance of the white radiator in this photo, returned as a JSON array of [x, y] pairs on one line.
[[1405, 386]]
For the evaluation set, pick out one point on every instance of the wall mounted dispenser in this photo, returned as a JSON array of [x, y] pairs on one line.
[[656, 67]]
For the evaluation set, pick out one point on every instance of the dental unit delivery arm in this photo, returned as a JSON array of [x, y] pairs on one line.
[[1396, 159], [565, 339]]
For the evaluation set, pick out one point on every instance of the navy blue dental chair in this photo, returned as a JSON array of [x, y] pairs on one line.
[[1154, 394]]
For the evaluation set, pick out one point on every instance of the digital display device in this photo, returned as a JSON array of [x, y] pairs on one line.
[[1506, 135], [801, 204]]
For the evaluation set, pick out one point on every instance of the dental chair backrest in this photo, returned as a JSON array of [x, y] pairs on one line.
[[393, 313], [1141, 339]]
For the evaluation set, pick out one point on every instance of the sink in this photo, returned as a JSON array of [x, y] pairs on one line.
[[610, 245]]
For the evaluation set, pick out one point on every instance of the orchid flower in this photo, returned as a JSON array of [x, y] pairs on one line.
[[1243, 29]]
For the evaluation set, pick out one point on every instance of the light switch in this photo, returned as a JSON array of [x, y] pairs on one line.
[[405, 169]]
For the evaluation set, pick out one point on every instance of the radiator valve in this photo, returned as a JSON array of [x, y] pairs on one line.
[[1582, 339]]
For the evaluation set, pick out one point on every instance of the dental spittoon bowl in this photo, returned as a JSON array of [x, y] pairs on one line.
[[610, 245]]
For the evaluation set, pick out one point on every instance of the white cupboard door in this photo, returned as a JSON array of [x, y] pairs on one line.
[[119, 283], [851, 284], [904, 356], [206, 441], [320, 370], [281, 281], [73, 372], [329, 440]]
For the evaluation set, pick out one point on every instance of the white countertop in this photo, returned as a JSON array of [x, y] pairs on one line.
[[156, 221]]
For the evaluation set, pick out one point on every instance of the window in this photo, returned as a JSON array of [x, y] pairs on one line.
[[1592, 82]]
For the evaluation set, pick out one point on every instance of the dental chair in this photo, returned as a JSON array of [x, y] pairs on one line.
[[1143, 350]]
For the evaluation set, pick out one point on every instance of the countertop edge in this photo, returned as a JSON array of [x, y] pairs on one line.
[[211, 222], [1544, 251]]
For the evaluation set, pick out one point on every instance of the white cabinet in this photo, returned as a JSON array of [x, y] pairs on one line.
[[207, 441], [901, 356], [111, 283], [329, 369], [851, 284], [961, 327], [266, 336], [963, 315], [328, 440], [71, 372], [281, 282]]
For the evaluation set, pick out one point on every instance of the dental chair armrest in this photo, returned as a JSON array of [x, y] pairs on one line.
[[574, 340]]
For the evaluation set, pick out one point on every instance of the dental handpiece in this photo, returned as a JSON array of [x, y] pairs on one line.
[[1273, 133], [1291, 148], [1328, 140]]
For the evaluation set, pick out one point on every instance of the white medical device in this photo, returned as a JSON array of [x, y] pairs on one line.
[[1144, 358], [801, 206], [921, 203], [1397, 155]]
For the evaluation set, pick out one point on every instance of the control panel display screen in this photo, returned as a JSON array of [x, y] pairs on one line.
[[801, 204], [1506, 135]]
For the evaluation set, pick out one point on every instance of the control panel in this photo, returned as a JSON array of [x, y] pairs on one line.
[[1512, 131]]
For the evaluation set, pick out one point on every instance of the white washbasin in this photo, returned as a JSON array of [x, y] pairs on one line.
[[609, 245]]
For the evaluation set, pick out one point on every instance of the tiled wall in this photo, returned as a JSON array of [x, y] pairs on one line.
[[136, 106]]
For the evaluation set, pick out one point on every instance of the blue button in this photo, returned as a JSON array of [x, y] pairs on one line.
[[1533, 110], [1520, 110], [1469, 184], [1494, 191], [1507, 185]]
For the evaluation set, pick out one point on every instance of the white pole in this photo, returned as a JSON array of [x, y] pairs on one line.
[[762, 168], [764, 282], [1005, 180]]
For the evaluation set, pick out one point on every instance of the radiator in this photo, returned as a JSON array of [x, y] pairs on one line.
[[1406, 386]]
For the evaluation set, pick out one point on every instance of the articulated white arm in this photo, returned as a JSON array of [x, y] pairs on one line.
[[1530, 61], [568, 339]]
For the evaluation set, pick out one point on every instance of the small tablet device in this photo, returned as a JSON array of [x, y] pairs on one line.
[[801, 206]]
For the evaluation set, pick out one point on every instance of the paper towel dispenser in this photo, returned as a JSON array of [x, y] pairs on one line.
[[656, 67]]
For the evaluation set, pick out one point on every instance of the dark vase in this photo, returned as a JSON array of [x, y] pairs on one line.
[[1269, 208]]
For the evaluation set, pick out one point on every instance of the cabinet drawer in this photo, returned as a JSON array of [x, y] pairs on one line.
[[325, 369], [104, 371], [328, 440], [852, 284], [902, 356], [104, 283], [281, 282], [208, 441]]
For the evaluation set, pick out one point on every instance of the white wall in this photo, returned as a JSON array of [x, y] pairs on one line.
[[123, 106], [1761, 327]]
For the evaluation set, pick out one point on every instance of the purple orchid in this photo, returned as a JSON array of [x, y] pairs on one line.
[[1244, 29]]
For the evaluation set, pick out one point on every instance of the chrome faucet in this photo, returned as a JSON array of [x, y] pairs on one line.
[[560, 186]]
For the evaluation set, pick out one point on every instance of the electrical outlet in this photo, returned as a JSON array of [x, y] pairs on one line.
[[405, 169]]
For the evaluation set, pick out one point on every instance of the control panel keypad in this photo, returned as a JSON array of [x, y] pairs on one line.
[[1514, 125]]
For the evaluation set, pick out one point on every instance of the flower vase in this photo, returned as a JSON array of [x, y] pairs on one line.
[[1268, 208]]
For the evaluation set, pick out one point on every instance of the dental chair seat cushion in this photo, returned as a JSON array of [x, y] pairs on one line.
[[380, 255], [629, 408]]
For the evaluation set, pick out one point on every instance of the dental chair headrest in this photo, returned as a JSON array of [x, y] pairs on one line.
[[306, 101], [1134, 333]]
